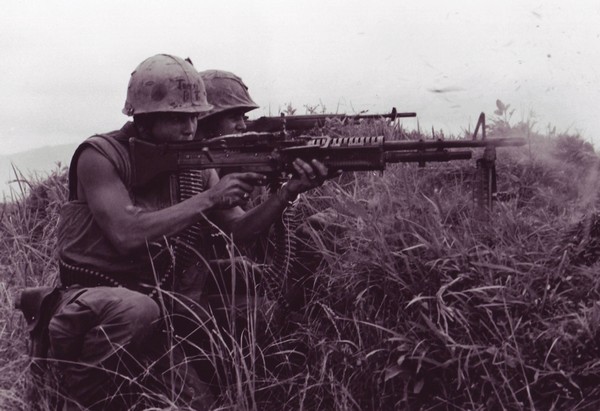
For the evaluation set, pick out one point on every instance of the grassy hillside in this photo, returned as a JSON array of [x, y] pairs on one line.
[[16, 169], [417, 302]]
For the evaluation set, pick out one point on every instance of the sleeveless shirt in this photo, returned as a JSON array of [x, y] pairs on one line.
[[81, 242]]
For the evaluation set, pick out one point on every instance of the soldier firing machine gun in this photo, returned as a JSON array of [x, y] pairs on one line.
[[272, 154]]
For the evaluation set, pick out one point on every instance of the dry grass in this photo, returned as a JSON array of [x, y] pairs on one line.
[[416, 303]]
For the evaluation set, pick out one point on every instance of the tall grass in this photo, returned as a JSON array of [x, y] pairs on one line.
[[27, 239], [416, 302]]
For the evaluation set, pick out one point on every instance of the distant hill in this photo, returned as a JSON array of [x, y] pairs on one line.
[[39, 161]]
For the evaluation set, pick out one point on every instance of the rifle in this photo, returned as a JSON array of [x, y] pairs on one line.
[[310, 121], [272, 154]]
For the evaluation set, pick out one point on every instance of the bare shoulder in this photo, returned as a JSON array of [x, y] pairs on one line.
[[95, 172]]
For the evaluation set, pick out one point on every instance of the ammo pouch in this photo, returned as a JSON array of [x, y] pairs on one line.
[[38, 305]]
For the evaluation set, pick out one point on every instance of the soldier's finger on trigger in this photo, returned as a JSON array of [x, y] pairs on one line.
[[300, 170], [320, 167], [245, 187], [251, 177], [307, 168]]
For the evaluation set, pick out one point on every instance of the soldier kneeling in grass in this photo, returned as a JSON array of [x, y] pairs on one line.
[[122, 278]]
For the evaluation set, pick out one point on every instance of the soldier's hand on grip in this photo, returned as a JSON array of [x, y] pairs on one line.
[[234, 189]]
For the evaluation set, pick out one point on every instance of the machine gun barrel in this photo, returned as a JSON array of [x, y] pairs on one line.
[[449, 144]]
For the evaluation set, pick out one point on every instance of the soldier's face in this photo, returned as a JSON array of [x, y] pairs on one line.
[[173, 127], [231, 122]]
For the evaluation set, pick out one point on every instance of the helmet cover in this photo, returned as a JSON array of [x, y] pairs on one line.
[[165, 83]]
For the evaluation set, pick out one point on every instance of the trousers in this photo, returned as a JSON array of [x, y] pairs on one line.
[[110, 351]]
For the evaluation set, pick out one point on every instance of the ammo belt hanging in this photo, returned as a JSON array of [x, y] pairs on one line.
[[189, 242], [275, 274], [191, 182]]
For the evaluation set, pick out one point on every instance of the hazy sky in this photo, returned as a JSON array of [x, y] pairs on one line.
[[65, 64]]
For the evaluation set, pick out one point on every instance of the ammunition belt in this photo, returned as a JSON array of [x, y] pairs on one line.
[[276, 274], [85, 277], [189, 242]]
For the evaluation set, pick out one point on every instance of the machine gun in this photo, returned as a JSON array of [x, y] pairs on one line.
[[310, 121], [272, 154]]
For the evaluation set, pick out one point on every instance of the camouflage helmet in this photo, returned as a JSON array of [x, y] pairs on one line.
[[165, 83], [226, 91]]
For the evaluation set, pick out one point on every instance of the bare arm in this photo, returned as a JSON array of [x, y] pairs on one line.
[[246, 226], [128, 227]]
